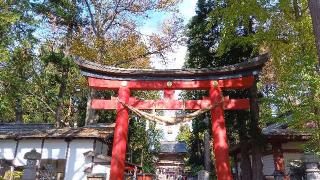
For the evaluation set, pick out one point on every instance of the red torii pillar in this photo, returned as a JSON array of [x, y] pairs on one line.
[[120, 136], [219, 133]]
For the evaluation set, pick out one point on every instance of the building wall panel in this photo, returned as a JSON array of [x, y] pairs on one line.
[[98, 169], [292, 145], [76, 162], [7, 149], [268, 164], [54, 149], [26, 145]]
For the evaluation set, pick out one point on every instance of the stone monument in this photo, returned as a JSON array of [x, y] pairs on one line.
[[311, 162], [30, 170]]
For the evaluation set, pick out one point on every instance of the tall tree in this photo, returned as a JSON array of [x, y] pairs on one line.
[[115, 38], [200, 40], [107, 32], [58, 74], [314, 7], [285, 29], [15, 77], [16, 28], [204, 36], [66, 15]]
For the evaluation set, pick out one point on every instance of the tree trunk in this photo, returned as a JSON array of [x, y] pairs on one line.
[[245, 163], [18, 110], [207, 151], [255, 132], [314, 7], [62, 90], [90, 113], [257, 165]]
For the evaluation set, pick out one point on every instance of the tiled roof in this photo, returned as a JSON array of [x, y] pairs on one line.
[[281, 129], [23, 128], [250, 67], [13, 131], [173, 147], [279, 132]]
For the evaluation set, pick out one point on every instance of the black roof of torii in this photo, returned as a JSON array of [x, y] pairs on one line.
[[251, 67]]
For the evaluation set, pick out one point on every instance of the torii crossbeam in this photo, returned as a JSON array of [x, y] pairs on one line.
[[239, 76]]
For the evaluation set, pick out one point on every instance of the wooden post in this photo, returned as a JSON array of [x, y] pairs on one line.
[[255, 131], [221, 149], [120, 136]]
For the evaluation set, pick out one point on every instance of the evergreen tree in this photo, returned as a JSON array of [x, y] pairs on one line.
[[204, 36], [287, 30], [16, 58]]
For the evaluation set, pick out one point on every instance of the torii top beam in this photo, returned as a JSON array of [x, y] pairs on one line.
[[228, 77]]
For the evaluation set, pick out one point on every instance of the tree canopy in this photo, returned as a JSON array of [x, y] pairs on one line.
[[39, 40], [226, 32]]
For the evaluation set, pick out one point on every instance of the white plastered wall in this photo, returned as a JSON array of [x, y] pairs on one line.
[[76, 161], [54, 149], [101, 148], [98, 169], [268, 164], [26, 145], [7, 149]]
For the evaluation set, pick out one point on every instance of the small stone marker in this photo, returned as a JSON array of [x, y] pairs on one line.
[[203, 175], [30, 170]]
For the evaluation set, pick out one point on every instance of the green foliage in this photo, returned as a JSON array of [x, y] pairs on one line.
[[15, 174], [16, 25], [16, 57], [205, 34], [195, 169], [284, 28], [15, 78], [58, 84], [201, 41], [7, 19], [144, 143], [184, 134]]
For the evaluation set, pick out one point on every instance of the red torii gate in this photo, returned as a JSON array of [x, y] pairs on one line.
[[239, 76]]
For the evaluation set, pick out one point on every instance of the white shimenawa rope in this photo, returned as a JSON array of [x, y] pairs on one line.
[[169, 120]]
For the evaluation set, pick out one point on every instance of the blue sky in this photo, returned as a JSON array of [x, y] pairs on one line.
[[176, 58], [186, 9]]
